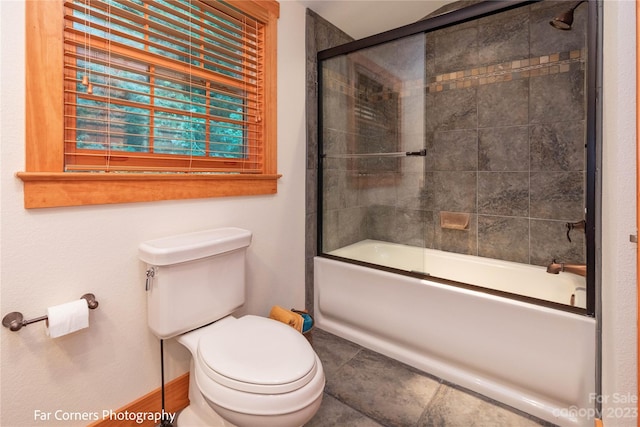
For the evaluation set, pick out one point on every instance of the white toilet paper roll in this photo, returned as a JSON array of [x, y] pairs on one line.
[[66, 318]]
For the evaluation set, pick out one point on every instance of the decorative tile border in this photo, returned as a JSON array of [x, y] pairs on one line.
[[532, 67], [555, 63]]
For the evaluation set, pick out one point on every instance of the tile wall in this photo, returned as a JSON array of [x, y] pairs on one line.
[[505, 127]]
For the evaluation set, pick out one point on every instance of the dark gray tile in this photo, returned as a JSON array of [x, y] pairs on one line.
[[370, 383], [381, 222], [432, 223], [352, 226], [334, 141], [332, 189], [451, 109], [330, 230], [557, 97], [503, 37], [409, 190], [430, 54], [311, 106], [452, 150], [310, 35], [326, 34], [451, 191], [557, 195], [456, 49], [335, 75], [309, 285], [505, 238], [503, 149], [334, 413], [311, 233], [413, 227], [311, 195], [334, 106], [503, 104], [558, 146], [366, 389], [378, 190], [549, 241], [343, 227], [333, 352], [503, 193], [413, 118], [400, 57], [455, 408]]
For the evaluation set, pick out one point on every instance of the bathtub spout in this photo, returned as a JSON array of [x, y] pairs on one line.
[[556, 267]]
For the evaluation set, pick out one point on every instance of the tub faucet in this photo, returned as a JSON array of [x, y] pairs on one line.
[[580, 225], [556, 267]]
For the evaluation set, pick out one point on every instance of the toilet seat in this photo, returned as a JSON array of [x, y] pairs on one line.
[[225, 399], [257, 355]]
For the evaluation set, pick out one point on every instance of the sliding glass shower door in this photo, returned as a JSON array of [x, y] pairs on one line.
[[470, 133], [373, 153]]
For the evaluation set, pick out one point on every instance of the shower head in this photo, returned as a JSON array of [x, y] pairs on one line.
[[564, 20]]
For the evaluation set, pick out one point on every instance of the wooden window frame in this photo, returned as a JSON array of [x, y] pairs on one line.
[[45, 182]]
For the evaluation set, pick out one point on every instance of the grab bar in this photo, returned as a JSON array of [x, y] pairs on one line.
[[15, 321], [421, 153]]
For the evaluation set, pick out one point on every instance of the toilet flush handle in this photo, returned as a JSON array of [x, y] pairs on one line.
[[151, 272]]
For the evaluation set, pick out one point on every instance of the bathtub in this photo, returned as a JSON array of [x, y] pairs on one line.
[[518, 279], [532, 357]]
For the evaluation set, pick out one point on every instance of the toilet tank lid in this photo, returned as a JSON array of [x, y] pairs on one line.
[[192, 246]]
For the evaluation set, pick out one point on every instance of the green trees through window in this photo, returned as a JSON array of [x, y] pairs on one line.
[[125, 101]]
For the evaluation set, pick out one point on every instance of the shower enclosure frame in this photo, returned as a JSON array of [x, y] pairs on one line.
[[592, 129]]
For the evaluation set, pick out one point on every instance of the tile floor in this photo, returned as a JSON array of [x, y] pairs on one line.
[[367, 389]]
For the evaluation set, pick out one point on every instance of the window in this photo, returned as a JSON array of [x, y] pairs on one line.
[[152, 100]]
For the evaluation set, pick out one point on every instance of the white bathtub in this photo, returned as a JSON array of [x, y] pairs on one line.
[[538, 359], [520, 279]]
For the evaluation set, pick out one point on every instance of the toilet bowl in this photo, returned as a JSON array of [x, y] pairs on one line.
[[253, 371], [248, 371]]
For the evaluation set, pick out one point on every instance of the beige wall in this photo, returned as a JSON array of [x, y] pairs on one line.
[[619, 333], [52, 256]]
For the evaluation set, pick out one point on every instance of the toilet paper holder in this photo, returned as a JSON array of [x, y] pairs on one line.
[[15, 321]]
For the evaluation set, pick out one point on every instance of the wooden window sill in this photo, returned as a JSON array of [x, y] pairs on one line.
[[57, 189]]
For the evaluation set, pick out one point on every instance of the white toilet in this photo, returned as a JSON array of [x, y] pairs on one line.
[[246, 371]]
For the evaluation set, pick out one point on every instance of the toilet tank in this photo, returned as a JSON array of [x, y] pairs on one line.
[[194, 279]]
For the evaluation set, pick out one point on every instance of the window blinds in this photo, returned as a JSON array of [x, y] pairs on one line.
[[162, 86]]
